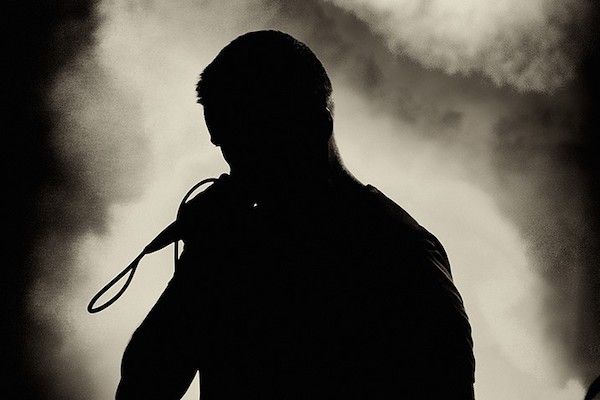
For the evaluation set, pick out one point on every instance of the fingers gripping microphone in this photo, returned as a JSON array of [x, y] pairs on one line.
[[171, 234]]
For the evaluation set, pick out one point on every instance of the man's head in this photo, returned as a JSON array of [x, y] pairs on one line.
[[267, 102]]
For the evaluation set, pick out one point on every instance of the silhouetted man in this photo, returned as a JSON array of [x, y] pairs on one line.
[[296, 280]]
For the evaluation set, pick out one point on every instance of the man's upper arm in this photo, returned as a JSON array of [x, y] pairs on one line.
[[447, 342], [160, 360]]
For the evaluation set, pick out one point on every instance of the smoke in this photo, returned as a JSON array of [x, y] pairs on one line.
[[530, 45], [492, 171], [540, 154], [103, 157]]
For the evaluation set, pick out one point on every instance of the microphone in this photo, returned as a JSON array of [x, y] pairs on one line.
[[168, 235]]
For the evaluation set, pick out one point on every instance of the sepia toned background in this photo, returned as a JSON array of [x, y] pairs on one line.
[[476, 116]]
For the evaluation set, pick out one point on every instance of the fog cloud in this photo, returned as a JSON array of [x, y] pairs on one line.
[[530, 45]]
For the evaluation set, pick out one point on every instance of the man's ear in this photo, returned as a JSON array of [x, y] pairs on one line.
[[326, 123]]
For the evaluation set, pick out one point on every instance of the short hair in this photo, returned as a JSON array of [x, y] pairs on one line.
[[266, 66]]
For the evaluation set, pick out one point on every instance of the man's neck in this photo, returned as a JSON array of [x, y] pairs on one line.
[[328, 173]]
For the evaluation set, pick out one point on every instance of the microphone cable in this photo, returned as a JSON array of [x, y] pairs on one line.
[[159, 242]]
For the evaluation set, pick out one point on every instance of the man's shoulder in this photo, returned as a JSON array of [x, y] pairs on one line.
[[389, 218], [388, 208], [399, 231]]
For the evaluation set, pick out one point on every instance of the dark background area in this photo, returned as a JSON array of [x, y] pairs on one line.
[[42, 37]]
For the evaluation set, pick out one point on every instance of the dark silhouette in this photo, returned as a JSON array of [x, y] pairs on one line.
[[296, 281], [593, 392]]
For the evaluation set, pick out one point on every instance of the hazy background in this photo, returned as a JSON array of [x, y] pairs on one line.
[[474, 115]]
